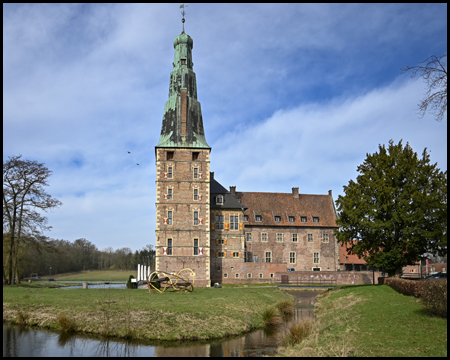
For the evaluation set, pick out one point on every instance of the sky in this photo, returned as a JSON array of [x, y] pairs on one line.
[[292, 95]]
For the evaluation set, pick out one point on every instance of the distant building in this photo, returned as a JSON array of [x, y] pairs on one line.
[[224, 235]]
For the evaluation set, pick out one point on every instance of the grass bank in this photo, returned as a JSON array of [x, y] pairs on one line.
[[372, 321], [206, 313]]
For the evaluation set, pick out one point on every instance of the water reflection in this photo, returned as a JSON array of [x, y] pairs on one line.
[[26, 342]]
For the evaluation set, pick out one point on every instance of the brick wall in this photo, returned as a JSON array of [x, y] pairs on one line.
[[183, 231], [342, 277]]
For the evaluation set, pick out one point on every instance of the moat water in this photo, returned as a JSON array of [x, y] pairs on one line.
[[29, 342]]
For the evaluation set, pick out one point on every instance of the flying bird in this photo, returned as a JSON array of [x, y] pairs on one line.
[[137, 164], [129, 152]]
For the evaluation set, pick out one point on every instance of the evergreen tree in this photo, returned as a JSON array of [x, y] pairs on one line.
[[396, 210]]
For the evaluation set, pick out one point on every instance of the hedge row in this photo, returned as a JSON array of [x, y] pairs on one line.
[[432, 292]]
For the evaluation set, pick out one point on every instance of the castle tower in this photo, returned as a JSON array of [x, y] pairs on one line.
[[182, 175]]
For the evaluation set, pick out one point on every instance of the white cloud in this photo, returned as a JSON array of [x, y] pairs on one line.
[[292, 95]]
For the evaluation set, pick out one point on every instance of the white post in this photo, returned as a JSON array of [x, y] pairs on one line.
[[148, 271], [145, 271], [139, 272]]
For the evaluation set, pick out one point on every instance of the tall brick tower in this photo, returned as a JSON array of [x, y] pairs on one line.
[[182, 175]]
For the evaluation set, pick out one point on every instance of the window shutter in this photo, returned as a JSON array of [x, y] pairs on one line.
[[217, 254], [200, 221], [164, 251], [200, 251], [225, 242], [217, 241], [239, 254], [213, 226], [165, 221], [200, 197], [227, 226], [241, 226], [224, 254], [166, 175], [200, 175], [166, 196]]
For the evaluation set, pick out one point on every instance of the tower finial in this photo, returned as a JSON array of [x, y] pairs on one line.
[[182, 6]]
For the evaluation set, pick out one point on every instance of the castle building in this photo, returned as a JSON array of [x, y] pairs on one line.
[[223, 235]]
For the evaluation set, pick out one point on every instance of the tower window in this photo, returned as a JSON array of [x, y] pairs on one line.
[[183, 61], [195, 173], [195, 246], [169, 246], [170, 155], [169, 217], [195, 194], [169, 175], [195, 217], [169, 194], [195, 155]]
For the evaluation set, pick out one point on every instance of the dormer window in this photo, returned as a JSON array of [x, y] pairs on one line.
[[245, 217], [315, 219], [303, 219], [291, 219], [277, 218], [258, 218], [219, 200]]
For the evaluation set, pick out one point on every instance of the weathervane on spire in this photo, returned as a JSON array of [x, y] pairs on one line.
[[182, 6]]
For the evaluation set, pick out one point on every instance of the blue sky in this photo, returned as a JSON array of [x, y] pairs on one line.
[[292, 95]]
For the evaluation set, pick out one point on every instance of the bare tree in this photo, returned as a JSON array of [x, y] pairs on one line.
[[23, 196], [434, 73]]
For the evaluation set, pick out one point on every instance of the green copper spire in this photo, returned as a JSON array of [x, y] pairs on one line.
[[182, 124]]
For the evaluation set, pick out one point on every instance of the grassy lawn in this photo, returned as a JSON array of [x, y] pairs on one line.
[[372, 321], [97, 275], [205, 313]]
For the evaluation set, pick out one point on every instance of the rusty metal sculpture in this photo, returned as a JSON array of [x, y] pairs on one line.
[[160, 281]]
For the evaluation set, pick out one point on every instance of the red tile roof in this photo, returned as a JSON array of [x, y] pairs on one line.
[[269, 205], [347, 258]]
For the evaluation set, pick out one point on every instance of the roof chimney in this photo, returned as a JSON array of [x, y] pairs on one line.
[[330, 193], [295, 192], [211, 175], [233, 190]]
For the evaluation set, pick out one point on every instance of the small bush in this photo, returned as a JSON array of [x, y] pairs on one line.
[[286, 307], [129, 283], [22, 317], [300, 330], [66, 323], [271, 317], [434, 295]]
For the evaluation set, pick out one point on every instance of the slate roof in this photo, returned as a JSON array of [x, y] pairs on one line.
[[229, 201], [269, 205]]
